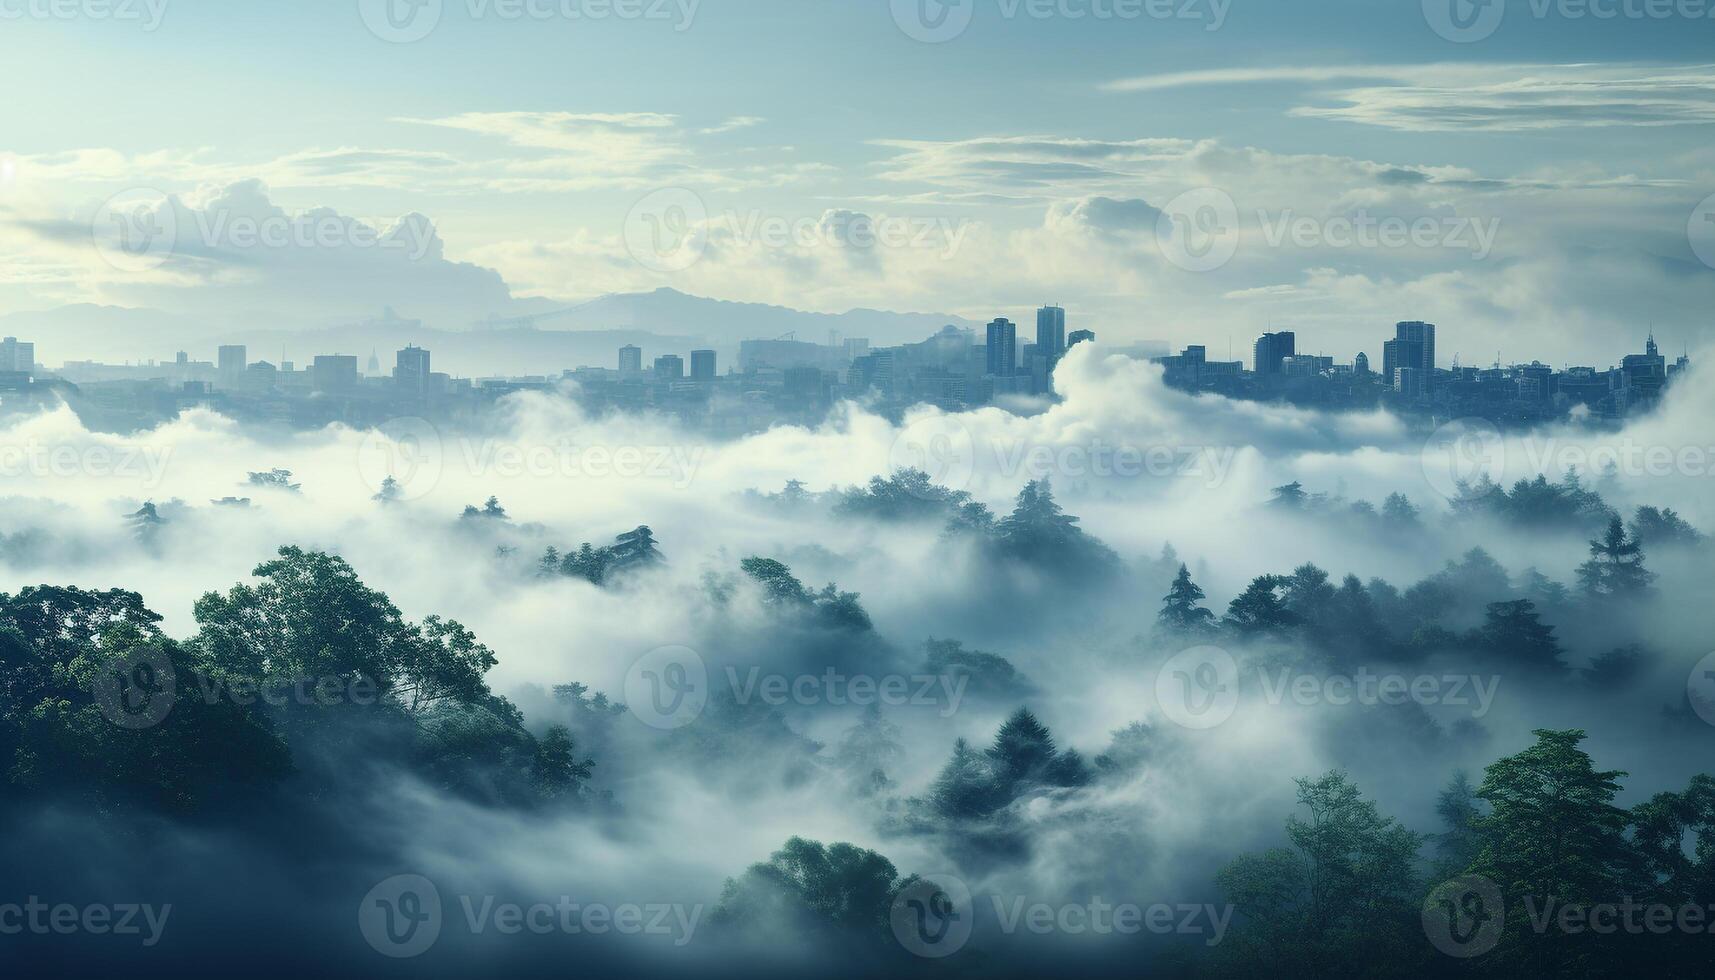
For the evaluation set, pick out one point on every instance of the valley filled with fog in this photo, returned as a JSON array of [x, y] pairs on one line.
[[960, 593]]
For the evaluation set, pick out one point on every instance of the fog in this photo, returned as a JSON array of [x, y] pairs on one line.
[[1142, 467]]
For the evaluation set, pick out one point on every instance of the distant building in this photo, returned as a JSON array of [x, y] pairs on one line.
[[333, 374], [374, 367], [1271, 349], [669, 367], [1079, 336], [630, 361], [1002, 348], [1418, 339], [702, 365], [231, 362], [411, 370], [1051, 332], [17, 356], [1361, 366]]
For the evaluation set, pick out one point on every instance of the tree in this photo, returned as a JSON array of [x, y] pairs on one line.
[[490, 511], [557, 773], [1260, 608], [1652, 527], [389, 493], [1552, 833], [1342, 901], [1181, 610], [779, 586], [549, 566], [810, 890], [1459, 844], [1038, 532], [1515, 634], [1399, 513], [1291, 496], [1616, 566], [868, 749], [275, 479], [965, 788]]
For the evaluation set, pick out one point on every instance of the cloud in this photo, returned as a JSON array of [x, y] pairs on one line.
[[1484, 97]]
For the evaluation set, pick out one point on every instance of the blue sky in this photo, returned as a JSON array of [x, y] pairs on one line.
[[1030, 156]]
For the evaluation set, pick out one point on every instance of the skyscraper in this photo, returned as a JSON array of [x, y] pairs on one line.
[[1272, 348], [1051, 332], [1002, 348], [411, 370], [630, 361], [669, 367], [1423, 335], [17, 356], [233, 358], [702, 365]]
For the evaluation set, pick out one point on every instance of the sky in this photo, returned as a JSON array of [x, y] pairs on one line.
[[1532, 175]]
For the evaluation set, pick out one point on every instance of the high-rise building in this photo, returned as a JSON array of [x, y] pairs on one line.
[[1271, 349], [1051, 332], [630, 361], [411, 370], [333, 373], [17, 356], [1423, 336], [232, 361], [1361, 366], [702, 365], [1002, 348], [669, 367]]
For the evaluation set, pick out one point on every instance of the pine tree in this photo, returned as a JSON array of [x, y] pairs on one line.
[[1515, 633], [1616, 566], [1291, 496], [1260, 608], [965, 788], [1459, 844], [1180, 609]]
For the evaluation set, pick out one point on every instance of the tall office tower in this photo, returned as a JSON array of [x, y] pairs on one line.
[[1002, 348], [630, 361], [1272, 348], [702, 365], [669, 367], [334, 373], [233, 359], [411, 370], [1051, 332], [1423, 336]]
